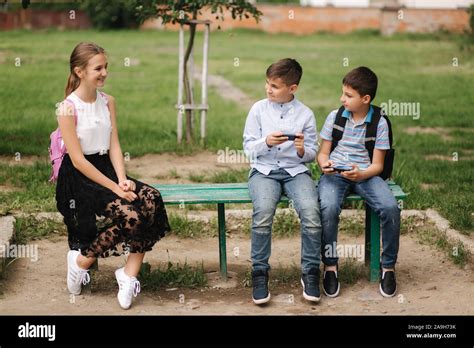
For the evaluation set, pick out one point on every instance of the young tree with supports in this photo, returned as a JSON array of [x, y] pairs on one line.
[[187, 13]]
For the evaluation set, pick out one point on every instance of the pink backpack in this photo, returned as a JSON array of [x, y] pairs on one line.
[[57, 149]]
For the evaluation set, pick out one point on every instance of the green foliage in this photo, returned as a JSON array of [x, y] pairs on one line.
[[183, 11], [47, 5], [286, 224], [183, 276], [184, 227], [228, 176], [30, 228], [278, 2], [145, 94], [112, 14], [350, 271], [30, 189]]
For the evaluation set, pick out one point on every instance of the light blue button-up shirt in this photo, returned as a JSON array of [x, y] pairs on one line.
[[266, 117], [351, 148]]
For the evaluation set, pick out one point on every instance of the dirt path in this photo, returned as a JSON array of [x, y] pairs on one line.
[[429, 283], [165, 168], [169, 168]]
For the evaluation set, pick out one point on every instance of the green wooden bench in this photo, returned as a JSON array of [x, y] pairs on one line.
[[220, 194]]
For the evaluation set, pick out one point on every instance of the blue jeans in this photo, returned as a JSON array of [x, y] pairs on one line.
[[333, 189], [266, 191]]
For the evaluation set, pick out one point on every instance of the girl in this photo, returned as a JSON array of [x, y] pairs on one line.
[[92, 182]]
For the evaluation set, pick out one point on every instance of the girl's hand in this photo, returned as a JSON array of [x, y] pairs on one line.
[[127, 195], [127, 185], [326, 167]]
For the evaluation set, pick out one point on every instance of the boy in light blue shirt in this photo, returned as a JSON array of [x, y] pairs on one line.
[[361, 175], [280, 138]]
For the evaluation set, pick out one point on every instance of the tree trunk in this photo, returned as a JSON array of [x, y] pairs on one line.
[[186, 82]]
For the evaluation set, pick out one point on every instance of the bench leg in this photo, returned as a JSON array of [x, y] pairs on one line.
[[222, 241], [372, 243]]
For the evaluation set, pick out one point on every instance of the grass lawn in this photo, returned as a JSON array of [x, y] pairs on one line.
[[415, 69]]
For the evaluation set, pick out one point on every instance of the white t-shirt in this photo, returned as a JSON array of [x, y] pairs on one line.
[[93, 124]]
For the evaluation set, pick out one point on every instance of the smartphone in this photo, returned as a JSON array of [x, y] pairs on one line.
[[341, 168], [290, 136]]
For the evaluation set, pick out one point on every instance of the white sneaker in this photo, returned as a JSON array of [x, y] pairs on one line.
[[129, 287], [76, 276]]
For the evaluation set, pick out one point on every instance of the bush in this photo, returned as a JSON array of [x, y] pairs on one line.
[[278, 2], [111, 14]]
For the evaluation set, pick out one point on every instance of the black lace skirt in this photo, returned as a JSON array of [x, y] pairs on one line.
[[99, 222]]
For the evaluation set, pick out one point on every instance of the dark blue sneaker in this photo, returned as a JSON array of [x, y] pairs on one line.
[[310, 282], [388, 284], [331, 285], [260, 293]]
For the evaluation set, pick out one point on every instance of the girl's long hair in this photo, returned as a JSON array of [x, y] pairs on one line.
[[79, 58]]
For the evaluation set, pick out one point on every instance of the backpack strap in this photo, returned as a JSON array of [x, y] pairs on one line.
[[371, 131], [103, 95], [338, 128], [106, 98], [70, 101]]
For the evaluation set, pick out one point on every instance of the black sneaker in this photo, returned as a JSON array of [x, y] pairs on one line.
[[260, 293], [331, 285], [388, 284], [310, 282]]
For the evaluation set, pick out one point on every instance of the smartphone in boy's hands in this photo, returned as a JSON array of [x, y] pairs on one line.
[[291, 137], [341, 168]]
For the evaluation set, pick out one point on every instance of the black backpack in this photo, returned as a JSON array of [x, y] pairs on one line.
[[370, 137]]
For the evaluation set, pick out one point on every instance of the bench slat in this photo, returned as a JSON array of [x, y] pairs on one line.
[[228, 193], [238, 193], [243, 185]]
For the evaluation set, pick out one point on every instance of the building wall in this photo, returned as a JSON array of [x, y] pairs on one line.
[[39, 19], [335, 3], [307, 20], [278, 19], [435, 4]]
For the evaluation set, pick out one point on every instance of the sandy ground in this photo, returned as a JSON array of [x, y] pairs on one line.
[[169, 168], [429, 283]]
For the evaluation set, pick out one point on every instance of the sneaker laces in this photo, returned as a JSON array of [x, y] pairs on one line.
[[84, 276], [312, 279], [135, 287], [259, 282]]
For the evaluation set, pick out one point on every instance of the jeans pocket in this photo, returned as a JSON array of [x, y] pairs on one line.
[[252, 172]]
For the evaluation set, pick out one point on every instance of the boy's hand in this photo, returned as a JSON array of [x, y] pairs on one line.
[[326, 167], [275, 138], [299, 144], [354, 174]]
